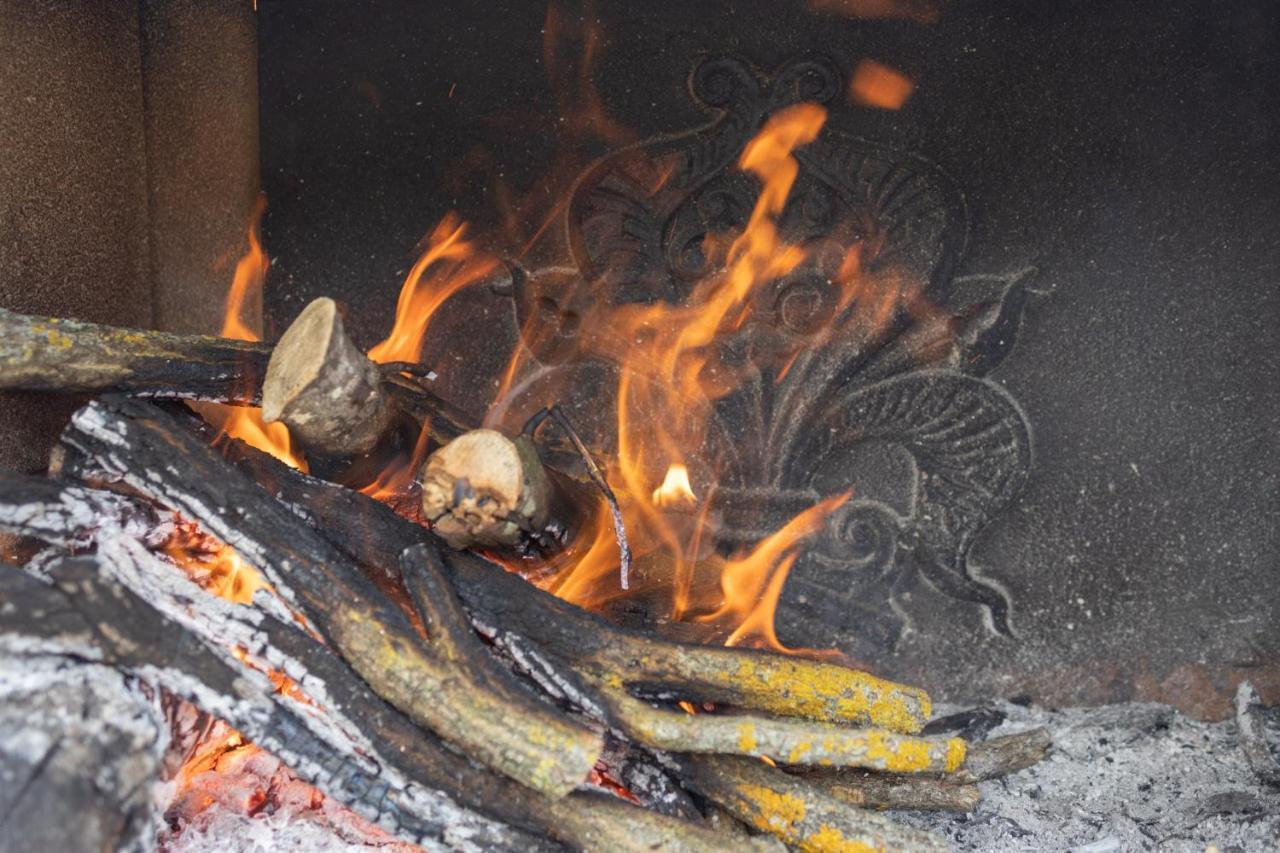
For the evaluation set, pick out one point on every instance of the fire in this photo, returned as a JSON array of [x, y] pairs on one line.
[[675, 492], [448, 263], [212, 564], [877, 85], [752, 584], [245, 422]]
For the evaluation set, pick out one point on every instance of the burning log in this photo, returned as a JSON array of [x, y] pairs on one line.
[[323, 388], [64, 356], [797, 813], [67, 356], [468, 702], [119, 525], [374, 535], [103, 621]]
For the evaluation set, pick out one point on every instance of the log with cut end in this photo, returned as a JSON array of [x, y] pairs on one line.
[[486, 490], [325, 390], [64, 356], [514, 732]]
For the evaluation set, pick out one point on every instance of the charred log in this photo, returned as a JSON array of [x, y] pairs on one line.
[[580, 820], [515, 733]]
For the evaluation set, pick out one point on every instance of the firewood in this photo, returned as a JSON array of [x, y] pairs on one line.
[[96, 619], [1000, 756], [514, 732], [326, 391], [69, 514], [787, 741], [372, 534], [67, 356], [894, 790], [485, 490], [799, 814]]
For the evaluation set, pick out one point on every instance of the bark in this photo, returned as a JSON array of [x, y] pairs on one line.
[[799, 814], [517, 734], [53, 354]]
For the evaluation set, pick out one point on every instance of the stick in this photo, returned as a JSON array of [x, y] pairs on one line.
[[1000, 756], [520, 736], [327, 392], [787, 741], [894, 791], [799, 814]]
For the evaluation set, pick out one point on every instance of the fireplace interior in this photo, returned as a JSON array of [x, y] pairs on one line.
[[574, 425]]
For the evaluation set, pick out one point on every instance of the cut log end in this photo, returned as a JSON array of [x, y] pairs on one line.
[[321, 386], [485, 490]]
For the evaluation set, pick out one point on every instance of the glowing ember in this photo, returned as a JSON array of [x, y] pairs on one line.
[[877, 85], [212, 564], [675, 493]]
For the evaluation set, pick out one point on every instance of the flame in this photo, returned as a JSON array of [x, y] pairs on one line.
[[676, 492], [212, 564], [672, 372], [449, 263], [753, 584], [245, 422], [877, 85]]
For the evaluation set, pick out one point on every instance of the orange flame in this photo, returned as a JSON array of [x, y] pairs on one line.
[[923, 11], [877, 85], [245, 422], [212, 564], [449, 263], [753, 584]]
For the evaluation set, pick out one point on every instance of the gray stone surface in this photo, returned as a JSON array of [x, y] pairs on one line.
[[1125, 152]]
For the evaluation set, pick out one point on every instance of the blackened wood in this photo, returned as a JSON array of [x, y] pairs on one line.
[[66, 356], [82, 614], [517, 734], [579, 820]]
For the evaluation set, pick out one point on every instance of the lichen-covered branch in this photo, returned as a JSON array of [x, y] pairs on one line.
[[802, 816], [517, 734]]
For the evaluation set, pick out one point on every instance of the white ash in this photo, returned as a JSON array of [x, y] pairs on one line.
[[1121, 778]]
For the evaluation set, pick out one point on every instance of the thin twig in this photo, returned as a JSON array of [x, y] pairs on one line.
[[597, 476]]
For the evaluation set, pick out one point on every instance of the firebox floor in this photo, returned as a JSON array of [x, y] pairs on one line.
[[1120, 778]]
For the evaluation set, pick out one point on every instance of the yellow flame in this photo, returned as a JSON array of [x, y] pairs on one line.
[[676, 492]]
